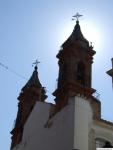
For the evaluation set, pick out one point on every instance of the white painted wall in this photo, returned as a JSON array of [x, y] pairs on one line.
[[83, 121], [58, 137], [72, 128], [103, 132]]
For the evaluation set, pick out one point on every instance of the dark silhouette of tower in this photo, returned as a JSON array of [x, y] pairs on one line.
[[30, 94], [75, 68]]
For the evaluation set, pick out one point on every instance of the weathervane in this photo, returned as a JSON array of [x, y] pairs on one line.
[[36, 63], [76, 17]]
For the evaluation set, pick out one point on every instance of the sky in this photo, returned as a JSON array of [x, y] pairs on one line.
[[34, 29]]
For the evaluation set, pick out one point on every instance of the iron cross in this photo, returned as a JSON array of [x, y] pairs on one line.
[[36, 63], [77, 16]]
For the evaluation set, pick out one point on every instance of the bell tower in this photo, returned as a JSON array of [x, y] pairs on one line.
[[30, 94], [75, 67]]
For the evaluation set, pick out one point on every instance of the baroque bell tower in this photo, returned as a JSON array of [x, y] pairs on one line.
[[75, 67], [30, 94]]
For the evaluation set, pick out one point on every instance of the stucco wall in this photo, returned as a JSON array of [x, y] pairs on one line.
[[103, 131], [57, 137], [83, 121], [71, 128]]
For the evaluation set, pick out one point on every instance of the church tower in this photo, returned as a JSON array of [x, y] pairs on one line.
[[30, 94], [75, 67], [74, 122]]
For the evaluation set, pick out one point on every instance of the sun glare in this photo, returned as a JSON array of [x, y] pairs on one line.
[[91, 33], [66, 32]]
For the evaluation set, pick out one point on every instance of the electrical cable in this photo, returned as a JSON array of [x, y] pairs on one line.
[[12, 71]]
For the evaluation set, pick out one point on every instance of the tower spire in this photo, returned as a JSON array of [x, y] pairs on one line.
[[34, 80], [76, 34]]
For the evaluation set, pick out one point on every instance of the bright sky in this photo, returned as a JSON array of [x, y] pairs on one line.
[[34, 29]]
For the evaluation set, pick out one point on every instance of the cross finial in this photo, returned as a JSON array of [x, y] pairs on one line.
[[76, 17], [36, 63]]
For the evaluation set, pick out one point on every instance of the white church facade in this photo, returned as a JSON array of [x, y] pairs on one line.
[[74, 122]]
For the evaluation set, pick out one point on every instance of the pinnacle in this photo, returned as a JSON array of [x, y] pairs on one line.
[[34, 80], [76, 35]]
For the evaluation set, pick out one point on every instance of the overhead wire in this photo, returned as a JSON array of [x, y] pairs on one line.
[[12, 71], [21, 76]]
